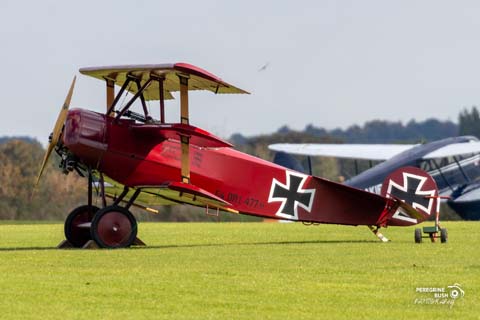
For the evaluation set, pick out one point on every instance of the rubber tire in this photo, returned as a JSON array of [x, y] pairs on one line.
[[79, 236], [107, 233], [443, 235], [418, 235]]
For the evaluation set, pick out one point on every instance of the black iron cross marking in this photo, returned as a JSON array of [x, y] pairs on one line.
[[291, 195], [411, 192]]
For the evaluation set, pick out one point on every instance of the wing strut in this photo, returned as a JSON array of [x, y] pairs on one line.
[[160, 78], [142, 99], [184, 119], [441, 173], [135, 97], [461, 169], [183, 99], [117, 98], [162, 100], [110, 92]]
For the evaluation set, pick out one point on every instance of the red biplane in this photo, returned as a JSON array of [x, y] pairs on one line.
[[145, 159]]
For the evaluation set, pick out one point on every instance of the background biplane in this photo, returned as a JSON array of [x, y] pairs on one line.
[[453, 162], [148, 159]]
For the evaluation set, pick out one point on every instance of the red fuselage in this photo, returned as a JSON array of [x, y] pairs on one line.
[[114, 149], [251, 185]]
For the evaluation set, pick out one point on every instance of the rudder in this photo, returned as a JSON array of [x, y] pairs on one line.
[[418, 193]]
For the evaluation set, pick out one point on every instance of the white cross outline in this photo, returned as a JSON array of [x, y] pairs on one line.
[[401, 215], [286, 186]]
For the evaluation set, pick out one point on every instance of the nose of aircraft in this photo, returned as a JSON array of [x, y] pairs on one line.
[[84, 135]]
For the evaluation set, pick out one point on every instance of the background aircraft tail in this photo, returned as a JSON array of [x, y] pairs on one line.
[[286, 160]]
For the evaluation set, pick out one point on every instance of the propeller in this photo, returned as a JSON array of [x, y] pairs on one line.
[[57, 129]]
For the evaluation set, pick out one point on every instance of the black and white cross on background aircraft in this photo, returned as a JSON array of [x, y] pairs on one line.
[[453, 162]]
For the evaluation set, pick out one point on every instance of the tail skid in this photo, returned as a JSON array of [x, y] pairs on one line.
[[379, 235]]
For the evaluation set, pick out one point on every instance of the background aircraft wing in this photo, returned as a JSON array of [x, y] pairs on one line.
[[345, 151], [454, 149]]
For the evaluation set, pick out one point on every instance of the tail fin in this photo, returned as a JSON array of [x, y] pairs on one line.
[[418, 194], [287, 161]]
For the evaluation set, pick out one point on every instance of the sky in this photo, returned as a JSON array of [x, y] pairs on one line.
[[328, 63]]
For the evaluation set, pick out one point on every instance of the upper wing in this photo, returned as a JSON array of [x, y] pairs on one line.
[[199, 79], [346, 151], [454, 149]]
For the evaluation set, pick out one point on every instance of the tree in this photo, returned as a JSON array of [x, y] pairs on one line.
[[56, 194], [469, 122]]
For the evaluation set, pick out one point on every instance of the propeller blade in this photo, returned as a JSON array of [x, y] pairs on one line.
[[57, 129], [44, 162], [62, 116]]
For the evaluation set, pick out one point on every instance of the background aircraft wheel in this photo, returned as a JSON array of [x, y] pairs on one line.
[[418, 235], [114, 227], [77, 225], [443, 235]]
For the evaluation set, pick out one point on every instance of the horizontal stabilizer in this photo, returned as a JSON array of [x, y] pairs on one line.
[[407, 209], [198, 137], [340, 204]]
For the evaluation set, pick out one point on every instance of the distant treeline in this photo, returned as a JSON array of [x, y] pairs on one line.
[[377, 131], [20, 138], [382, 131], [57, 194]]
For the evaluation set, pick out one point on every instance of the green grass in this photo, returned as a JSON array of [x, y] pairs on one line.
[[238, 271]]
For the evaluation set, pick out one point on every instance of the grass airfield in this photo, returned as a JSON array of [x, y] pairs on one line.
[[238, 271]]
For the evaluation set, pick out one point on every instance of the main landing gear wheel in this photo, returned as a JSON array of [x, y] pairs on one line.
[[114, 227], [418, 235], [443, 235], [77, 225]]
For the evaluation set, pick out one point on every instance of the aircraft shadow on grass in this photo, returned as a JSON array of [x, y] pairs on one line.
[[206, 245]]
